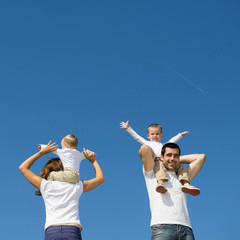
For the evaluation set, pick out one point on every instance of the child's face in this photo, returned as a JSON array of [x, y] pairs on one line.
[[154, 134]]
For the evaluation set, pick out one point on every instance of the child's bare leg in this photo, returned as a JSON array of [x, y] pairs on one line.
[[147, 155]]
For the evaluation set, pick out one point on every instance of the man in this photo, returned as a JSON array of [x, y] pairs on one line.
[[170, 220]]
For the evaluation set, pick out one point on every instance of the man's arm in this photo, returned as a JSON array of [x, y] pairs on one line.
[[195, 162], [138, 138]]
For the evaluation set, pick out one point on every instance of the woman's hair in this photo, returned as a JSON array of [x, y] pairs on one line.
[[54, 164]]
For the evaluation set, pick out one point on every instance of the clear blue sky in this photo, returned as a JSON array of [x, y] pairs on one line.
[[82, 67]]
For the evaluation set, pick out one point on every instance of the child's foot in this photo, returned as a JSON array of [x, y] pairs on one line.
[[188, 188], [161, 188], [38, 193]]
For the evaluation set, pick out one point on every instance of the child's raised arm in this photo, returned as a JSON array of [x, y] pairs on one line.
[[138, 138], [178, 137], [184, 133], [124, 125]]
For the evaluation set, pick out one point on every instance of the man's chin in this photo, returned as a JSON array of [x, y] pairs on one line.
[[172, 168]]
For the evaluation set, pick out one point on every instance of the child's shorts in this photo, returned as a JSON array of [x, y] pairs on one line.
[[67, 175]]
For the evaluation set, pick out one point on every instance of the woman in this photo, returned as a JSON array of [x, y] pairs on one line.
[[61, 198]]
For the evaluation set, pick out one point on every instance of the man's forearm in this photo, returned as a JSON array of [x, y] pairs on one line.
[[189, 158]]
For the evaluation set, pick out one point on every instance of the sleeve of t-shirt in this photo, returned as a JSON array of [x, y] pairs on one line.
[[43, 186], [81, 186], [136, 136], [149, 174], [81, 155]]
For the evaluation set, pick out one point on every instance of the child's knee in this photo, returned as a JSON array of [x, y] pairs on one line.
[[144, 149]]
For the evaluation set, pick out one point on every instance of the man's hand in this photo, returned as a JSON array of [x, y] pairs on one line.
[[124, 125], [89, 155], [51, 147], [184, 133]]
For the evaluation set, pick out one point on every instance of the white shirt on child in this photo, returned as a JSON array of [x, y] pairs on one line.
[[156, 146], [71, 158]]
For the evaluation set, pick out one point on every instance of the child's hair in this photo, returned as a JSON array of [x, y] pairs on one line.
[[54, 164], [71, 140], [170, 145], [155, 125]]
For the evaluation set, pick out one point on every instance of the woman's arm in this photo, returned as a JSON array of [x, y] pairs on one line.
[[99, 179], [25, 166], [195, 162]]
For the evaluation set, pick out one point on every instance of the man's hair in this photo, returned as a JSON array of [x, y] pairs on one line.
[[154, 125], [54, 164], [71, 140], [170, 145]]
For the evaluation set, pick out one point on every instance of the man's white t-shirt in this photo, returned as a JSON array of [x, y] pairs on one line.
[[61, 201], [168, 208]]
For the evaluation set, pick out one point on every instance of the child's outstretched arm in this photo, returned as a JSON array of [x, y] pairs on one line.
[[178, 137], [184, 133], [138, 138], [124, 125]]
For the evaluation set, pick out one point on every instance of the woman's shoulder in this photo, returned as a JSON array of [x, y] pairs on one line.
[[47, 185]]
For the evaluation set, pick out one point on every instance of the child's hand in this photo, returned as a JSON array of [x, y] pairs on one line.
[[124, 125], [89, 155], [184, 133], [49, 148]]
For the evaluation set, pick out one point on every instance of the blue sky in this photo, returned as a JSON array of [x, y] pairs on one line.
[[82, 67]]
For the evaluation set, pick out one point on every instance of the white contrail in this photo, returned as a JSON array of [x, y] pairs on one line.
[[189, 81]]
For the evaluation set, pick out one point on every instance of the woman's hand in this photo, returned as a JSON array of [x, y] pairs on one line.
[[89, 155], [25, 166], [99, 179], [51, 147]]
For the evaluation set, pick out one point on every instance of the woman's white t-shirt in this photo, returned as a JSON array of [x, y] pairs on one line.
[[61, 201]]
